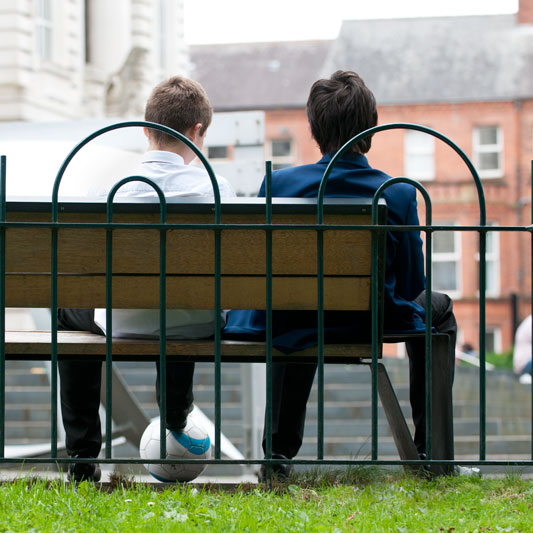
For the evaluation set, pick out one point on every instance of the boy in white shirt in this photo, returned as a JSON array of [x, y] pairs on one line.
[[181, 104]]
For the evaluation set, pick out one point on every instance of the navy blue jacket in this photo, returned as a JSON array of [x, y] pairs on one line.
[[352, 177]]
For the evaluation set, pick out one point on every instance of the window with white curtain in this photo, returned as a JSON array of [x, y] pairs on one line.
[[44, 29], [492, 262], [419, 155], [488, 151], [446, 260]]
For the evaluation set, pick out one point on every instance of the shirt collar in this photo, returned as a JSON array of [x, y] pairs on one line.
[[161, 156], [356, 159]]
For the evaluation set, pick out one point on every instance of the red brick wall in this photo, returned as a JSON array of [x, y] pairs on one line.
[[293, 124], [453, 193], [525, 12]]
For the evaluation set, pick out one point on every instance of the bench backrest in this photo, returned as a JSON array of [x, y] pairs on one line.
[[190, 254]]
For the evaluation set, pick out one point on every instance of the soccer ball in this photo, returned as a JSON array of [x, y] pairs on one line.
[[192, 443]]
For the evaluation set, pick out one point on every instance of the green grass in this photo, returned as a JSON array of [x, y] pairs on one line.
[[398, 503], [503, 361]]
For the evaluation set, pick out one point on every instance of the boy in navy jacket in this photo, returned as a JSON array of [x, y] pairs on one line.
[[338, 109]]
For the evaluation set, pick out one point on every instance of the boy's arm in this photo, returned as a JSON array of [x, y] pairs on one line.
[[410, 277]]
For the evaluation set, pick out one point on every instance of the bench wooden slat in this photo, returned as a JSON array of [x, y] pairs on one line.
[[188, 252], [188, 292], [38, 343]]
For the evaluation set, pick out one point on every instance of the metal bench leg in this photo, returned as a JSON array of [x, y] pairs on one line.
[[400, 431], [442, 403]]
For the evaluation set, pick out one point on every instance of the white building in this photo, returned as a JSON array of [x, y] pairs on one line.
[[72, 59]]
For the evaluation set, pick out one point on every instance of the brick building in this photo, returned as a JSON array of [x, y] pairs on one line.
[[471, 78]]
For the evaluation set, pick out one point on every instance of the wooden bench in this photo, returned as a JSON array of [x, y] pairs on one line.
[[190, 280]]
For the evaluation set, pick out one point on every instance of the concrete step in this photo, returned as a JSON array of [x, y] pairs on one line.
[[27, 377], [341, 392], [22, 430], [38, 395], [361, 447], [24, 364], [27, 413], [144, 373], [146, 394]]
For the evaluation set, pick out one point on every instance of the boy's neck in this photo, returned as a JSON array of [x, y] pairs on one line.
[[179, 149]]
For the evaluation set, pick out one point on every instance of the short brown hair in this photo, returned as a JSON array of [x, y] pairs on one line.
[[178, 103], [338, 109]]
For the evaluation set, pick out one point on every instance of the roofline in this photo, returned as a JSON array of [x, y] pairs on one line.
[[276, 107], [436, 17], [221, 109], [263, 43]]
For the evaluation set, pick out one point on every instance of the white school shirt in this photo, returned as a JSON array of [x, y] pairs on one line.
[[169, 171]]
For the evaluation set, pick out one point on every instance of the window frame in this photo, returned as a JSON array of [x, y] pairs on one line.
[[496, 331], [492, 257], [442, 257], [44, 30], [478, 149], [285, 160], [412, 150], [212, 158]]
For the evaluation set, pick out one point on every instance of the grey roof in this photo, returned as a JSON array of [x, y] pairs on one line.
[[417, 60], [258, 75], [439, 59]]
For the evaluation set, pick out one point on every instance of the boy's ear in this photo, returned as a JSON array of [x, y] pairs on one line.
[[146, 132], [194, 132]]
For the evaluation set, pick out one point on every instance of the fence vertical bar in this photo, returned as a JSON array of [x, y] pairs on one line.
[[268, 322], [428, 319], [320, 332], [163, 333], [109, 332], [374, 321], [531, 297], [53, 311], [218, 359], [162, 312], [482, 347], [428, 338], [2, 305]]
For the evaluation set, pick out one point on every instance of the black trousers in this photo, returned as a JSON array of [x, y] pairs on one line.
[[80, 391], [292, 382]]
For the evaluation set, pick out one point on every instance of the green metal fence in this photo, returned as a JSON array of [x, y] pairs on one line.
[[217, 227]]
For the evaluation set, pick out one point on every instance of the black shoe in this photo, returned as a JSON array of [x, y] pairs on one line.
[[280, 472], [78, 472]]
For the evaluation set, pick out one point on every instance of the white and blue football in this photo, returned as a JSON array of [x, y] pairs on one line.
[[192, 443]]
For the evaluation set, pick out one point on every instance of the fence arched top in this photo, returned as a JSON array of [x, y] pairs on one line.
[[408, 126], [129, 179], [381, 189], [136, 124]]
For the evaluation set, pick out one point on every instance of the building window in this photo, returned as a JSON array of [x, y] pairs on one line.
[[492, 262], [493, 339], [217, 152], [162, 34], [87, 31], [281, 153], [419, 155], [44, 29], [446, 261], [488, 151]]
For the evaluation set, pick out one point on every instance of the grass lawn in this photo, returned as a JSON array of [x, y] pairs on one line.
[[385, 503]]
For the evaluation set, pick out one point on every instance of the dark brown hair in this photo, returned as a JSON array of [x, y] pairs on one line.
[[178, 103], [340, 108]]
